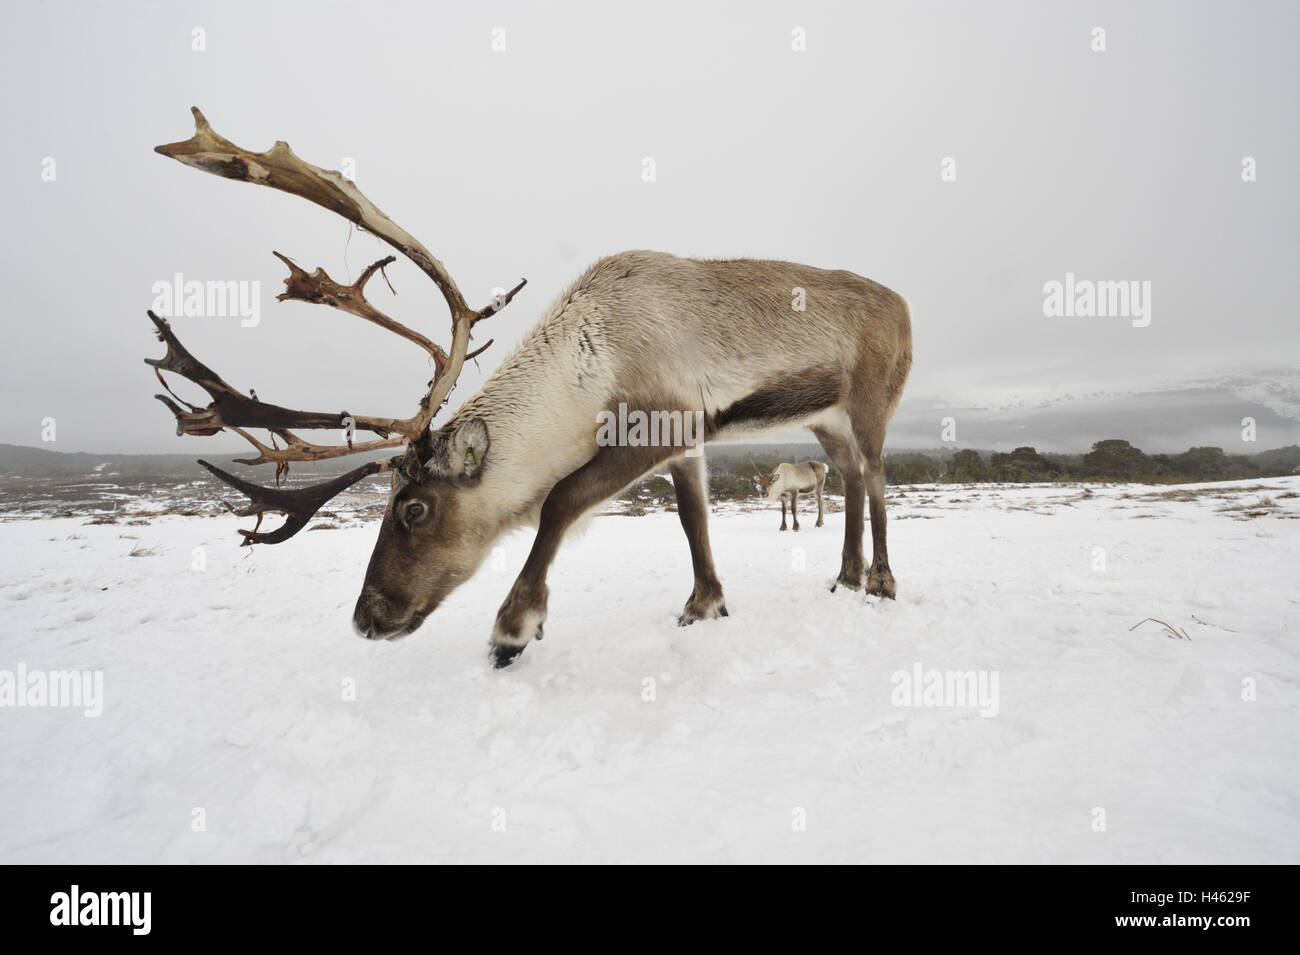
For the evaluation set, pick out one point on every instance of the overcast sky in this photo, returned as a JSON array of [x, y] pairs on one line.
[[1117, 165]]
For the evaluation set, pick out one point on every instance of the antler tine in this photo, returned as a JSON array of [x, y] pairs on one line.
[[318, 288], [445, 377], [298, 505], [233, 409], [299, 450], [754, 465]]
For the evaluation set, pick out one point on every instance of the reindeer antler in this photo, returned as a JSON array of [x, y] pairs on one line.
[[298, 506], [278, 168]]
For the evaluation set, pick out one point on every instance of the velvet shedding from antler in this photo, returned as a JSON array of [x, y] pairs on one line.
[[279, 168]]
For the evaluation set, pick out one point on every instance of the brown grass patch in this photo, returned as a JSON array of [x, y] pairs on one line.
[[1173, 633]]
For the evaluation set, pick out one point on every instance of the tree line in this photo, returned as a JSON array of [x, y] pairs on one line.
[[1110, 460], [731, 476]]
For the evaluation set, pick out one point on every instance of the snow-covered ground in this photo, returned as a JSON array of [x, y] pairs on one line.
[[242, 720]]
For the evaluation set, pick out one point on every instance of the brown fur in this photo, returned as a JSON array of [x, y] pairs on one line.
[[657, 332]]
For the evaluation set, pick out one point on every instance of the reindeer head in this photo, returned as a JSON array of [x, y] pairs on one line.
[[434, 534], [767, 482]]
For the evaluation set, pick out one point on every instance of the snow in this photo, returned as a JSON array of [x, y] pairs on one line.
[[772, 735]]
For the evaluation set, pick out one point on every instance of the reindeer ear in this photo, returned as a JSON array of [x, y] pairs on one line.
[[469, 448], [459, 456]]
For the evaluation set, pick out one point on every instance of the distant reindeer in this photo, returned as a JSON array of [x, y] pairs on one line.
[[638, 330], [786, 482]]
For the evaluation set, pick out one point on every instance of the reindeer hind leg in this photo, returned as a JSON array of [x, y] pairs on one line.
[[869, 429], [841, 449]]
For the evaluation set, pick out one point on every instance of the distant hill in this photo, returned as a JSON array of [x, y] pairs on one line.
[[19, 461]]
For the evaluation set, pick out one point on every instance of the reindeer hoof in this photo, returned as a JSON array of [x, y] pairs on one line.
[[881, 584], [688, 618], [784, 528], [518, 623], [502, 656], [701, 610], [848, 583]]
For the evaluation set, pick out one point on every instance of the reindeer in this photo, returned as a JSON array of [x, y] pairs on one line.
[[786, 482], [648, 330]]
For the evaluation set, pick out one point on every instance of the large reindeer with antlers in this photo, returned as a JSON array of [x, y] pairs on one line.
[[643, 329]]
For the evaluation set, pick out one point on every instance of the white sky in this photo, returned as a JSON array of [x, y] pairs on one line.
[[1116, 165]]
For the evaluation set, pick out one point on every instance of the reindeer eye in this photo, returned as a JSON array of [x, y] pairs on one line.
[[413, 511]]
